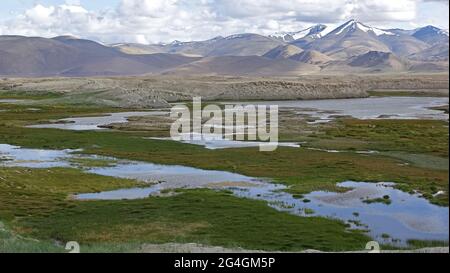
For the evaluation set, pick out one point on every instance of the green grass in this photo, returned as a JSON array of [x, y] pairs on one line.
[[93, 162], [412, 136], [20, 115], [26, 192], [38, 193], [424, 244], [35, 204], [409, 93], [304, 170], [202, 216], [29, 95], [11, 243]]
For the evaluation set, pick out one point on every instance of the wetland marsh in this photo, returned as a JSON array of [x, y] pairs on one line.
[[94, 186]]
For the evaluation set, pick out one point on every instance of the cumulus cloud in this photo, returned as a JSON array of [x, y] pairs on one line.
[[149, 21], [385, 10]]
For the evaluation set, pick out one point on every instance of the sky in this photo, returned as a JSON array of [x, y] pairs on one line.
[[154, 21]]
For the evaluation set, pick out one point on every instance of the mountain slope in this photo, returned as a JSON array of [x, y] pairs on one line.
[[23, 56], [235, 45], [68, 56], [375, 60], [350, 39], [352, 47], [283, 52], [431, 35], [244, 66], [311, 57], [139, 49], [129, 65], [403, 45], [438, 52], [313, 32]]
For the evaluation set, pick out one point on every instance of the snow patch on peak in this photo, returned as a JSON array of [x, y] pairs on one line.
[[176, 42], [444, 32], [377, 31], [350, 24], [315, 32], [238, 36], [353, 25]]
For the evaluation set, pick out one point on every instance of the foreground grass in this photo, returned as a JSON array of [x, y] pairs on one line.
[[14, 243], [35, 204], [25, 192], [11, 243], [207, 217]]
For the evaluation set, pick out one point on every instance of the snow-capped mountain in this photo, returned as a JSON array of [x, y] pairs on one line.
[[354, 25], [315, 32], [351, 47], [350, 39], [246, 44], [431, 35]]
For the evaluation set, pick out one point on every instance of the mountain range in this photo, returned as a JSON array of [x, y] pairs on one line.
[[353, 47]]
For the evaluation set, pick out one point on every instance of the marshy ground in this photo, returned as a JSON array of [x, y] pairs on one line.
[[38, 214]]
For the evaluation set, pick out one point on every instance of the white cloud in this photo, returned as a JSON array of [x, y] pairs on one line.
[[148, 8], [385, 10], [167, 20], [40, 14]]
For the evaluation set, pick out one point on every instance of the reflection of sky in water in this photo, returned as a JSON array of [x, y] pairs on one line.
[[408, 217], [93, 123], [169, 175], [13, 101], [33, 158], [216, 141], [367, 108]]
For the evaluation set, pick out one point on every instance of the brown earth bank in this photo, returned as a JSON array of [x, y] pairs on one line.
[[156, 91]]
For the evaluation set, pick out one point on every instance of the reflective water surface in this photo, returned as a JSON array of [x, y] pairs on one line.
[[405, 216]]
